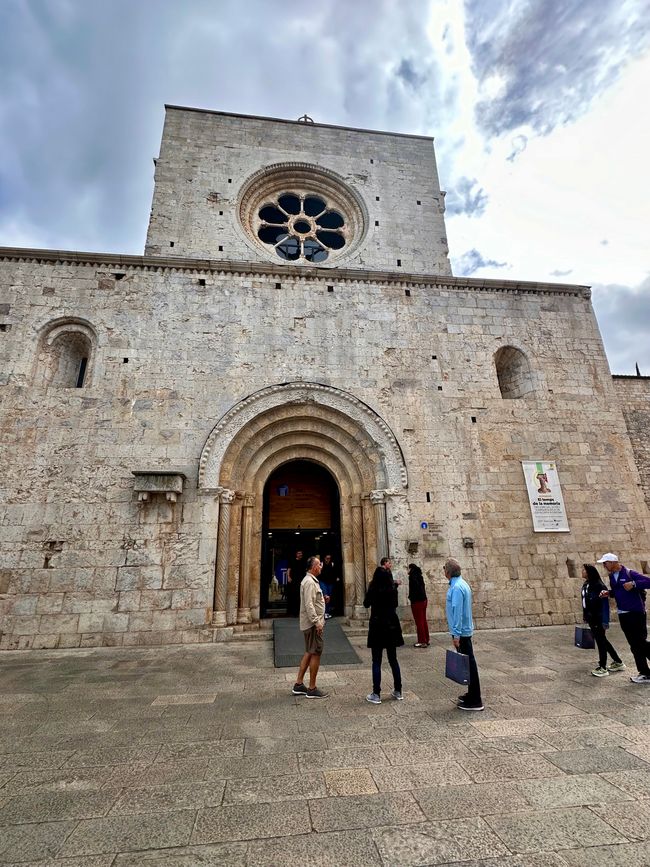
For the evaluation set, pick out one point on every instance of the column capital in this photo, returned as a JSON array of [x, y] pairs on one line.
[[378, 496], [227, 496], [248, 500]]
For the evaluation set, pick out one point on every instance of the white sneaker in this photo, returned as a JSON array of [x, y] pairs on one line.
[[640, 678], [373, 698]]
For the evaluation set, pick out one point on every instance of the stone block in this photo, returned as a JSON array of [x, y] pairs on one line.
[[115, 622], [129, 601], [91, 622]]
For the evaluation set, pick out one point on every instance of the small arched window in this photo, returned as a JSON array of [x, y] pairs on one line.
[[513, 373], [66, 354]]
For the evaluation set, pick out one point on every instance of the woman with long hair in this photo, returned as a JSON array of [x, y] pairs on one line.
[[596, 615], [384, 632]]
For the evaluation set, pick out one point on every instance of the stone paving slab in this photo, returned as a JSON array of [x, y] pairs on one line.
[[553, 829], [187, 756]]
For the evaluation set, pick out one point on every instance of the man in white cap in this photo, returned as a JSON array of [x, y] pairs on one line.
[[627, 588]]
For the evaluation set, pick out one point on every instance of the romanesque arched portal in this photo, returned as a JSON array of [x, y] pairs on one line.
[[297, 421]]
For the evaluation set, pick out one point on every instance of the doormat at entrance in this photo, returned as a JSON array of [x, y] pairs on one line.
[[289, 645]]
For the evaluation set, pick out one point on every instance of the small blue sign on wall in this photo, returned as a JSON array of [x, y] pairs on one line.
[[424, 525]]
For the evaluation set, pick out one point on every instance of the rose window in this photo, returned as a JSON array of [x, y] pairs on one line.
[[301, 227], [302, 214]]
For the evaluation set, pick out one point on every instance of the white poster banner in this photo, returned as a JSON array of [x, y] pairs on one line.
[[545, 496]]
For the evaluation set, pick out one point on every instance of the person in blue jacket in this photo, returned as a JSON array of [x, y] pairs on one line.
[[595, 611], [628, 589], [461, 627]]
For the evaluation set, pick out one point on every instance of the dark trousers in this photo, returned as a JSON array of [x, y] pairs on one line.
[[391, 653], [419, 610], [603, 645], [635, 629], [474, 685]]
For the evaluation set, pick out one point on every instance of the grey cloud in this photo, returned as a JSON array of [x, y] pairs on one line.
[[472, 261], [407, 72], [623, 314], [466, 197], [552, 56], [519, 144], [558, 273], [83, 85]]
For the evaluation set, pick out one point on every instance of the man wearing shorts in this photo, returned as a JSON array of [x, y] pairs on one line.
[[312, 623]]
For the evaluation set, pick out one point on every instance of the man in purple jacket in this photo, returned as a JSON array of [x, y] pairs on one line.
[[627, 589]]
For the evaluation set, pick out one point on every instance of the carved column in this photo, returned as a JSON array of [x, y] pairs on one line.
[[244, 611], [378, 500], [226, 499], [358, 555]]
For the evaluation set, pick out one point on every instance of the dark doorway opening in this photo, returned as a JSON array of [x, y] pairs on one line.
[[301, 513]]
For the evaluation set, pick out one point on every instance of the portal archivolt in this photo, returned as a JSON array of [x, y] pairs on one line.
[[297, 421]]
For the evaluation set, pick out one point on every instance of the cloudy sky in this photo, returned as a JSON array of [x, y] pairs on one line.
[[538, 108]]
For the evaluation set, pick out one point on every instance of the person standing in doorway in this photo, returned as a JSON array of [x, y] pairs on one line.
[[628, 589], [419, 602], [461, 627], [384, 630], [295, 574], [329, 578], [595, 611], [312, 624]]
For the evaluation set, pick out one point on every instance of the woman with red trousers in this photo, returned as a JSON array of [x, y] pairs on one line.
[[418, 600]]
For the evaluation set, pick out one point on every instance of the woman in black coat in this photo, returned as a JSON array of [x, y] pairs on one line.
[[596, 613], [384, 632]]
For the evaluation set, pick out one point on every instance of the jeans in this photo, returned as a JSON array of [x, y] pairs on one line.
[[635, 629], [327, 591], [391, 653], [474, 686], [603, 645]]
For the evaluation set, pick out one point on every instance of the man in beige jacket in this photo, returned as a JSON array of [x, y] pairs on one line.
[[312, 623]]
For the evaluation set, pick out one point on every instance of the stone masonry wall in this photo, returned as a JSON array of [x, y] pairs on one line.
[[207, 157], [634, 396], [179, 343]]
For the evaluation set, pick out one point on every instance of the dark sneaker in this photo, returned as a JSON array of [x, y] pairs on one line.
[[397, 695], [462, 698], [465, 705], [299, 689], [316, 693]]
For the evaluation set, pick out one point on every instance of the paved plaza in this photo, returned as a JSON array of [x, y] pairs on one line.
[[200, 755]]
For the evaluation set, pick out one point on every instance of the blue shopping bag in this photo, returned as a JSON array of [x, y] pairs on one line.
[[457, 667]]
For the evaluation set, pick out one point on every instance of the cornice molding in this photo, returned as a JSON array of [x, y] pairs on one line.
[[298, 273]]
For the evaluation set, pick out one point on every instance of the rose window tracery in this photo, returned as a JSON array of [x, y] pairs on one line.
[[301, 226]]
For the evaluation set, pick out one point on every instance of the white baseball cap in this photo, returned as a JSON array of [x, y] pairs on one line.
[[608, 558]]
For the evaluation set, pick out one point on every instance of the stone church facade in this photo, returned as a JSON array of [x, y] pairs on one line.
[[292, 364]]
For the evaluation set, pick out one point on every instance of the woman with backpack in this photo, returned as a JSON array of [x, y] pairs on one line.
[[596, 614]]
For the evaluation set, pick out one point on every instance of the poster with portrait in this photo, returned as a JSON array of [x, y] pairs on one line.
[[545, 497]]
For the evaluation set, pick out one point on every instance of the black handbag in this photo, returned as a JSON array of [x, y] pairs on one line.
[[584, 638]]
